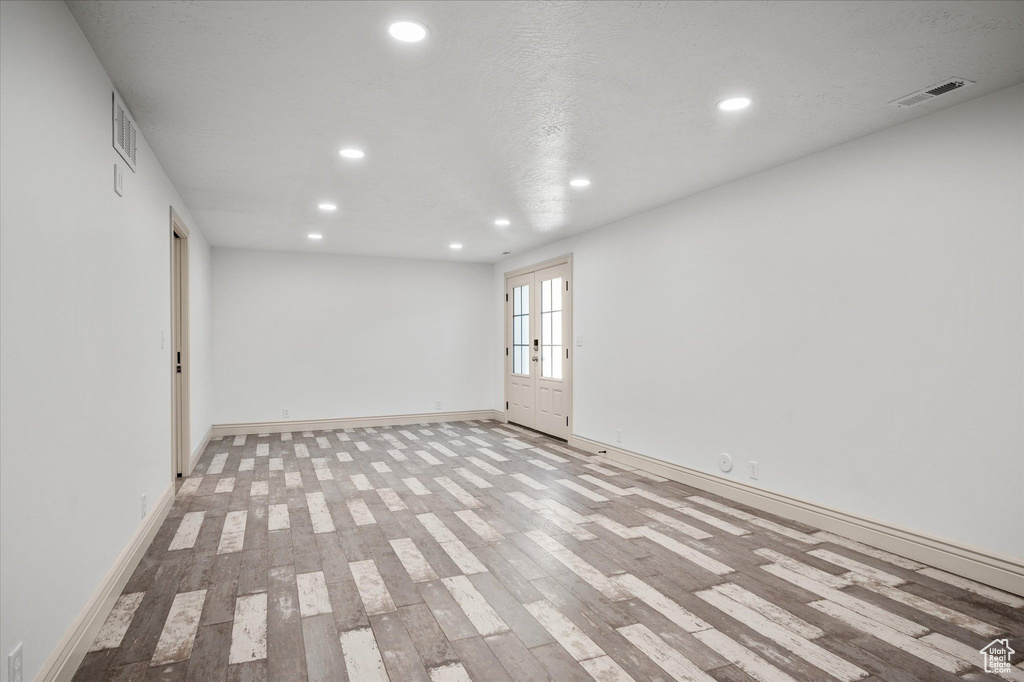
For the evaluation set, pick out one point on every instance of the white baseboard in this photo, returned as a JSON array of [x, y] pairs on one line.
[[65, 659], [1004, 572], [246, 428], [198, 452]]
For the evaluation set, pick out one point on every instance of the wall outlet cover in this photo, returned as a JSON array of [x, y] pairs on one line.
[[15, 669], [754, 470]]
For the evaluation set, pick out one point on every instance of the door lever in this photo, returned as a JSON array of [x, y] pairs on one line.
[[536, 344]]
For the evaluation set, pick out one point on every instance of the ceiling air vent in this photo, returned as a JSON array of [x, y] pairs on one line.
[[126, 133], [931, 92]]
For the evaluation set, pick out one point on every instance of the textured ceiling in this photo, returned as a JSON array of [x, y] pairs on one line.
[[246, 105]]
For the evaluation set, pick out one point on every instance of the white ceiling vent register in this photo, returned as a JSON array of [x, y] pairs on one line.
[[931, 92], [126, 133]]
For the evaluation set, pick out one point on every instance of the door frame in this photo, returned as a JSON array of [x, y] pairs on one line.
[[567, 368], [181, 432]]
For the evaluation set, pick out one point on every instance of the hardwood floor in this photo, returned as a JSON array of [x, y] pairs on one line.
[[481, 551]]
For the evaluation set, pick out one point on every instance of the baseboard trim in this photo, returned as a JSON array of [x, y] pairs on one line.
[[65, 659], [997, 570], [199, 452], [246, 428]]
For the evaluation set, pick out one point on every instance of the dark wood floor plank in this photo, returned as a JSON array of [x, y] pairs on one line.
[[479, 661], [324, 657], [428, 638], [397, 649], [517, 660]]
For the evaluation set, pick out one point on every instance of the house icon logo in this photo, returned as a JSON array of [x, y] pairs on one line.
[[997, 656]]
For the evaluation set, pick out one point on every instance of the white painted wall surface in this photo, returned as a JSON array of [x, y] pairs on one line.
[[200, 271], [330, 336], [852, 321], [84, 295]]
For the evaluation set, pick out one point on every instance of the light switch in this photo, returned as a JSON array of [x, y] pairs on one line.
[[118, 180]]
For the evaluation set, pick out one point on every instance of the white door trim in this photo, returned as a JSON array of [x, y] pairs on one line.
[[506, 354], [181, 432]]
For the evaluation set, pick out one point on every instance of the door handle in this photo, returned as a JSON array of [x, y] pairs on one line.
[[536, 345], [535, 358]]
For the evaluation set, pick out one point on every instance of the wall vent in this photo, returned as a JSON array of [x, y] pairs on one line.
[[931, 92], [126, 133]]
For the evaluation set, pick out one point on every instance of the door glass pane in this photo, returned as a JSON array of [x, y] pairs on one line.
[[521, 329], [551, 328]]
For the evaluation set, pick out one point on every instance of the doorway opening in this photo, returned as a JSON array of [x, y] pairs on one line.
[[181, 433], [538, 359]]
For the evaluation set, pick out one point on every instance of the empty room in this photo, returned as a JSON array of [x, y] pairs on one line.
[[518, 340]]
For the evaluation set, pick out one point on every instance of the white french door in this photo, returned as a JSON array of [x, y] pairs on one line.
[[538, 324]]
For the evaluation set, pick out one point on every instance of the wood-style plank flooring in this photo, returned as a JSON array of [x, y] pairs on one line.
[[481, 551]]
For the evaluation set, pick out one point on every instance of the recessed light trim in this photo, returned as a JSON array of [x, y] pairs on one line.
[[408, 31], [734, 103], [502, 222], [352, 153], [327, 206], [315, 236], [455, 246], [580, 182]]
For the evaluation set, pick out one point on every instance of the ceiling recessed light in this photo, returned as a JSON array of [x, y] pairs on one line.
[[502, 222], [350, 153], [579, 182], [734, 103], [455, 246], [314, 236], [408, 31], [326, 206]]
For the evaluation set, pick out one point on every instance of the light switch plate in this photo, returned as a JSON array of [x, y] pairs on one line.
[[118, 180]]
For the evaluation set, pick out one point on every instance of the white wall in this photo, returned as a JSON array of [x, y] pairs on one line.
[[338, 336], [201, 336], [84, 295], [852, 321]]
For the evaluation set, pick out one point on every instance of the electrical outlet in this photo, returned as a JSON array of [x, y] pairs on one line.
[[118, 180], [618, 435], [754, 470], [143, 506], [15, 672], [579, 341], [437, 406], [284, 413]]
